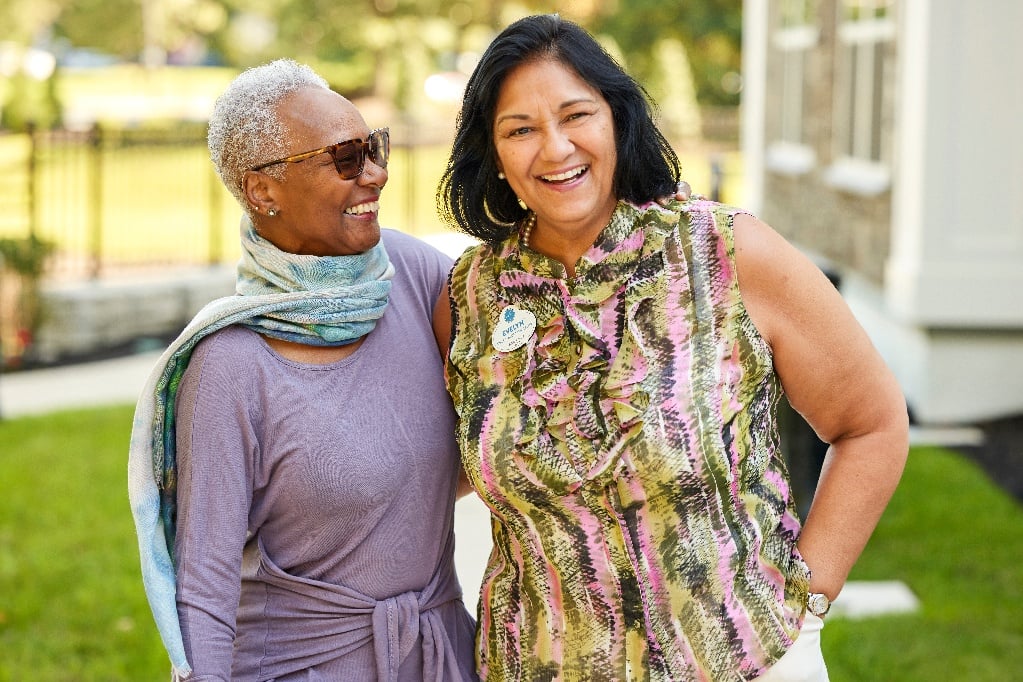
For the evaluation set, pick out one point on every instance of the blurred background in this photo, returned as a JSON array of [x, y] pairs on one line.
[[882, 137], [103, 105]]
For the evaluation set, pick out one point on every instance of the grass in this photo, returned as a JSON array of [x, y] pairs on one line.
[[71, 602], [72, 607], [957, 541]]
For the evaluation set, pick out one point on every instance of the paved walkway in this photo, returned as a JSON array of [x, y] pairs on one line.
[[92, 384], [119, 381]]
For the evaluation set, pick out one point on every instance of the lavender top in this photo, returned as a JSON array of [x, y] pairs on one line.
[[336, 484]]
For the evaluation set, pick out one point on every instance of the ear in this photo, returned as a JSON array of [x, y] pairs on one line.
[[260, 191]]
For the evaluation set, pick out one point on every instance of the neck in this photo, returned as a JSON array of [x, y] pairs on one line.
[[312, 355], [565, 245]]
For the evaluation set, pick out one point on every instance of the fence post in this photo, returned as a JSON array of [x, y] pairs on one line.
[[216, 214], [3, 360], [33, 153], [96, 189], [716, 178]]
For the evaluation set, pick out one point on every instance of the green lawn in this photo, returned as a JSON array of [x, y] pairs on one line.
[[957, 541], [71, 602], [72, 607]]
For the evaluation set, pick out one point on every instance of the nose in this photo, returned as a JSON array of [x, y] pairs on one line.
[[557, 144], [372, 174]]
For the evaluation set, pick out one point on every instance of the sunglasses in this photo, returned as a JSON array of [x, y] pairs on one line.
[[349, 156]]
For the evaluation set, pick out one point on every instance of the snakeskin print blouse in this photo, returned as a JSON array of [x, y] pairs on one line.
[[642, 518]]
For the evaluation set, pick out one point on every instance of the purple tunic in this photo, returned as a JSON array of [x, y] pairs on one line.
[[336, 482]]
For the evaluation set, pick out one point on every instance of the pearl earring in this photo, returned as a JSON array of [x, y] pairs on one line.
[[271, 212], [500, 175]]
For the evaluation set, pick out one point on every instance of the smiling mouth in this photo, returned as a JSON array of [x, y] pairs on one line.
[[359, 209], [559, 178]]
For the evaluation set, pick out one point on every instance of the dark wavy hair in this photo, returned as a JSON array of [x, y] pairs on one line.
[[470, 196]]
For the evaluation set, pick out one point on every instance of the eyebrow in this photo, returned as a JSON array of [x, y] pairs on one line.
[[564, 105]]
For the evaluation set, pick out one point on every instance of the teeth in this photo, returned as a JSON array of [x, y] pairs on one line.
[[566, 175], [368, 207]]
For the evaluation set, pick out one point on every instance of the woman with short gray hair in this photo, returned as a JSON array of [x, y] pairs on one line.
[[293, 468]]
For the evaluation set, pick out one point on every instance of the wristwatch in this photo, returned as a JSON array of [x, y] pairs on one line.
[[818, 604]]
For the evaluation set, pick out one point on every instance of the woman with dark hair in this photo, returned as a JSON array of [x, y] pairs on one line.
[[472, 195], [615, 365]]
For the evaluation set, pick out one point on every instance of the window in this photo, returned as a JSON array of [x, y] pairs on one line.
[[865, 31], [796, 33]]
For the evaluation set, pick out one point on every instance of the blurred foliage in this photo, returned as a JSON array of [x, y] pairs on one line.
[[22, 262], [111, 25], [391, 43], [25, 256], [29, 102], [710, 30]]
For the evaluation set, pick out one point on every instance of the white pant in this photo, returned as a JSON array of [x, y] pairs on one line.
[[804, 661]]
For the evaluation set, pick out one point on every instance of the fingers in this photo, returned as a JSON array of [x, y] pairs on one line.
[[682, 193]]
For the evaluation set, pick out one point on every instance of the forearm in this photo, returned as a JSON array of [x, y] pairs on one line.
[[857, 480], [208, 640], [208, 551]]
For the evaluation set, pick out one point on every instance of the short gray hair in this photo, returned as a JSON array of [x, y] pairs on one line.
[[244, 129]]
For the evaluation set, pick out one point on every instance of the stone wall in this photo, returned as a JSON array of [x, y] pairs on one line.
[[94, 319]]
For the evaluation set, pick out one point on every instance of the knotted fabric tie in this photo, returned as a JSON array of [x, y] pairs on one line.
[[395, 631], [348, 619]]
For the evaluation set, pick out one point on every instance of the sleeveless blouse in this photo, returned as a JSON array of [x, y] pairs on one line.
[[643, 522]]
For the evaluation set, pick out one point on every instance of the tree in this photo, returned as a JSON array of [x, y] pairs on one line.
[[710, 30], [378, 45], [112, 26], [25, 20]]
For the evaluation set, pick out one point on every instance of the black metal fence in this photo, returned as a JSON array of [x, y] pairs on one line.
[[114, 198], [102, 202], [132, 200], [111, 198]]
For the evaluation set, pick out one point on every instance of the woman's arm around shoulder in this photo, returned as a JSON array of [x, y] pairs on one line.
[[835, 378], [442, 332], [442, 322]]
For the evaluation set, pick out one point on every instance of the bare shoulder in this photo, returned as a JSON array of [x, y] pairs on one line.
[[827, 364], [765, 251], [779, 284]]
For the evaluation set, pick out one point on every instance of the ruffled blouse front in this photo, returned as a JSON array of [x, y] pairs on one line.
[[643, 524], [580, 375]]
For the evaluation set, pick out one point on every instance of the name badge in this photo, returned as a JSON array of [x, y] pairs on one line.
[[513, 329]]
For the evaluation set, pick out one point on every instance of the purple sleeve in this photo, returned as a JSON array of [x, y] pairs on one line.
[[214, 442], [416, 258]]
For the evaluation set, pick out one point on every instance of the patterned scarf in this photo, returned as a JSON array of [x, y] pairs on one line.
[[320, 301]]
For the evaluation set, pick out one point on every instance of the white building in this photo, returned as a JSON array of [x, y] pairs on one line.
[[885, 137]]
